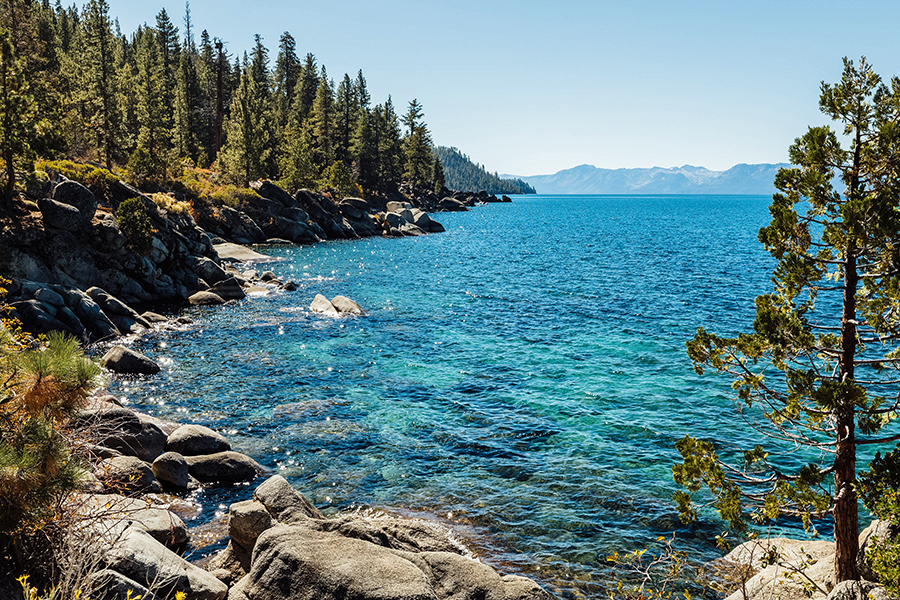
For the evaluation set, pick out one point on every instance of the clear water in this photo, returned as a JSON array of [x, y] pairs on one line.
[[522, 376]]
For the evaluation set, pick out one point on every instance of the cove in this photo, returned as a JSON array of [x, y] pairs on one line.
[[521, 376]]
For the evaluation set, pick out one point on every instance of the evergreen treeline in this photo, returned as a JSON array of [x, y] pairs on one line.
[[72, 84], [464, 175]]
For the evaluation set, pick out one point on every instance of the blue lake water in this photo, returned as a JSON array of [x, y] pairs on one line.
[[522, 376]]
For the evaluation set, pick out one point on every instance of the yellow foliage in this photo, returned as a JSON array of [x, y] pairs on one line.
[[170, 204], [87, 175]]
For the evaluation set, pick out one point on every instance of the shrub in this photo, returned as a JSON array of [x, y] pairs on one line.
[[133, 220], [96, 178], [170, 204], [44, 384]]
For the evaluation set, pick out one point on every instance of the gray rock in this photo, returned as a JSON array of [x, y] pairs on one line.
[[224, 467], [320, 304], [268, 276], [296, 214], [395, 220], [49, 297], [858, 590], [93, 317], [395, 207], [59, 215], [126, 361], [246, 521], [127, 474], [230, 564], [171, 470], [120, 512], [143, 559], [123, 430], [410, 230], [152, 317], [290, 286], [110, 585], [284, 502], [453, 576], [345, 305], [449, 204], [319, 566], [206, 269], [877, 531], [205, 299], [193, 440], [76, 195], [229, 289], [237, 253]]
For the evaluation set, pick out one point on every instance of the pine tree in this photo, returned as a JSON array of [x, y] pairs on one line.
[[287, 74], [821, 364], [364, 150], [305, 94], [170, 51], [15, 109], [438, 175], [150, 158], [98, 68], [390, 147], [320, 123], [346, 116], [246, 151], [417, 147]]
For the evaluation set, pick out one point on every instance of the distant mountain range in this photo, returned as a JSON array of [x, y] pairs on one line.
[[588, 179]]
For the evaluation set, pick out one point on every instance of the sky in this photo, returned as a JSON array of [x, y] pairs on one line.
[[530, 87]]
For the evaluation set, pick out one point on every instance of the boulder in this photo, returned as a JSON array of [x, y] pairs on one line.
[[206, 269], [122, 430], [107, 584], [246, 521], [319, 566], [284, 502], [779, 580], [267, 189], [396, 207], [410, 230], [127, 474], [152, 317], [120, 359], [76, 195], [230, 564], [877, 531], [205, 299], [345, 305], [59, 215], [143, 559], [858, 590], [224, 467], [118, 511], [236, 253], [449, 204], [194, 440], [171, 470], [320, 304], [228, 289]]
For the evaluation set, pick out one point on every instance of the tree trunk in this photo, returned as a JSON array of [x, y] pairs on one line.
[[846, 517]]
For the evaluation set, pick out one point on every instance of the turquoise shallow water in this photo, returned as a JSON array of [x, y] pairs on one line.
[[522, 376]]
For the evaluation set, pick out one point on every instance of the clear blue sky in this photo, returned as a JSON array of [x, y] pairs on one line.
[[528, 87]]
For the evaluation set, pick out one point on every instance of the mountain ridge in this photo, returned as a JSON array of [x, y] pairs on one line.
[[743, 178]]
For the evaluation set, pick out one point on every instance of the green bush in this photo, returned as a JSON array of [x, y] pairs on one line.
[[134, 221], [96, 178]]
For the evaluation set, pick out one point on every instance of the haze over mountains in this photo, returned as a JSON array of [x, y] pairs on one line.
[[588, 179]]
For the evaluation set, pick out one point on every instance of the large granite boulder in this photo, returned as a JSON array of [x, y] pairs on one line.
[[171, 470], [76, 195], [224, 467], [194, 440], [284, 502], [858, 590], [120, 429], [59, 215], [119, 511], [138, 556], [127, 475], [128, 362]]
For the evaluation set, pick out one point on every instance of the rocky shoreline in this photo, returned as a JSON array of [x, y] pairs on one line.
[[73, 269]]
